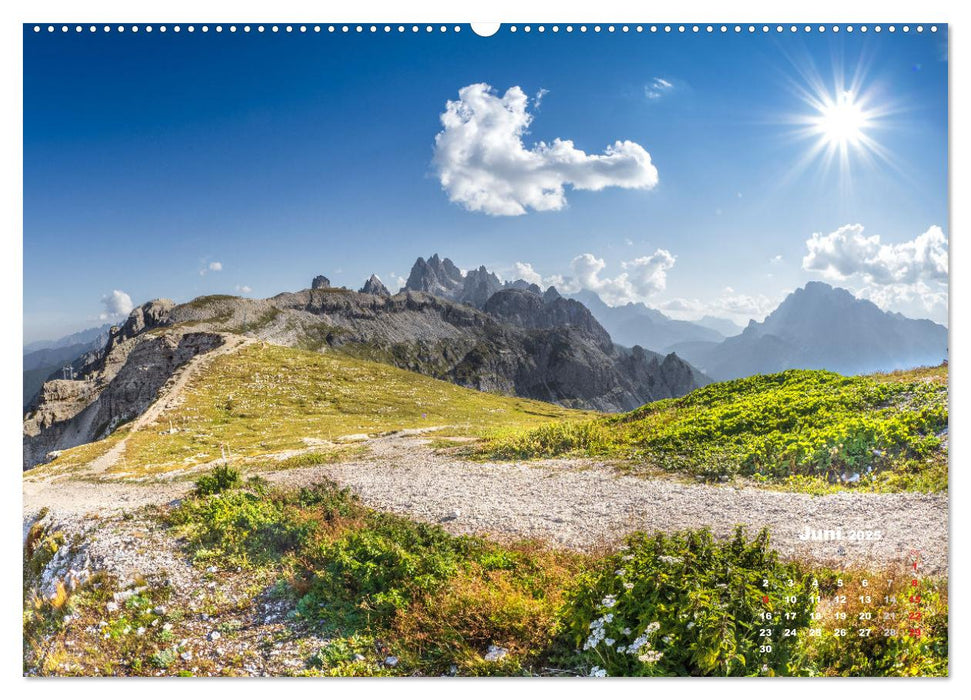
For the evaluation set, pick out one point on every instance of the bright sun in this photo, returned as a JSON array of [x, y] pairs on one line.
[[841, 121]]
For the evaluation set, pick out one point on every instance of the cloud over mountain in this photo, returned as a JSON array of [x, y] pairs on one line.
[[483, 164], [118, 303], [641, 277], [913, 273], [847, 252]]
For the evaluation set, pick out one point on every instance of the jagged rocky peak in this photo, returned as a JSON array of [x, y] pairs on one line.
[[527, 309], [551, 295], [150, 315], [320, 282], [479, 286], [435, 276], [374, 285], [525, 286]]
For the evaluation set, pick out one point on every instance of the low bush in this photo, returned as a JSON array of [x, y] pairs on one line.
[[221, 478]]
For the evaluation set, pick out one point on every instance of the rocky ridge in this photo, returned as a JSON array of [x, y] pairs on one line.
[[519, 341]]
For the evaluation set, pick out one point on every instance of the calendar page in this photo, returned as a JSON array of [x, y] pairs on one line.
[[534, 350]]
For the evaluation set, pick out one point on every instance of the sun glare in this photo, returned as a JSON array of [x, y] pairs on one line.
[[842, 121]]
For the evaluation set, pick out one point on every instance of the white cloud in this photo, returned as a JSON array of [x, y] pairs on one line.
[[909, 276], [775, 259], [215, 266], [540, 94], [657, 88], [243, 289], [118, 303], [642, 277], [737, 307], [847, 252], [525, 271], [483, 164]]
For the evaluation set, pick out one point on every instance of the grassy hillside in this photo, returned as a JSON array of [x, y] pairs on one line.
[[268, 399], [802, 428]]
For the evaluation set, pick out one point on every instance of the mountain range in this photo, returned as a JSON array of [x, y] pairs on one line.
[[638, 324], [45, 358], [472, 329], [822, 327]]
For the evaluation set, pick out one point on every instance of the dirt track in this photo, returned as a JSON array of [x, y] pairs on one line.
[[573, 503]]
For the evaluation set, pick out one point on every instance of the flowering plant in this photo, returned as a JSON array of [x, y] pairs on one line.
[[688, 605]]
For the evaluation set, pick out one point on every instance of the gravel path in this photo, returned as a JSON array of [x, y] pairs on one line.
[[575, 503]]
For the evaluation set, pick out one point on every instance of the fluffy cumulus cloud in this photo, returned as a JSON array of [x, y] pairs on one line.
[[118, 303], [641, 277], [214, 266], [483, 164], [911, 275], [847, 252], [243, 288]]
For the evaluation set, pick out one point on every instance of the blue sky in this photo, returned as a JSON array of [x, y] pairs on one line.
[[150, 157]]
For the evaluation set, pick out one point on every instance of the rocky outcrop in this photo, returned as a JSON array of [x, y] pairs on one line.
[[527, 309], [114, 385], [374, 285], [320, 282]]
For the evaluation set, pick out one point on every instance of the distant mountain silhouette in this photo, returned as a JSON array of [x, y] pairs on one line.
[[638, 324], [822, 327]]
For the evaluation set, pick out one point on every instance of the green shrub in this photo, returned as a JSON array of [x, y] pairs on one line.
[[685, 604], [220, 479]]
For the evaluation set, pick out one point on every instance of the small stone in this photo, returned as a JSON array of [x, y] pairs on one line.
[[358, 657], [159, 610], [391, 661], [214, 635], [495, 653], [111, 606]]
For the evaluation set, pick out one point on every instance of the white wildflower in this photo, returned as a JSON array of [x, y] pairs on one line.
[[597, 672], [609, 641], [666, 640], [621, 572], [626, 631], [650, 657], [628, 585], [609, 601]]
